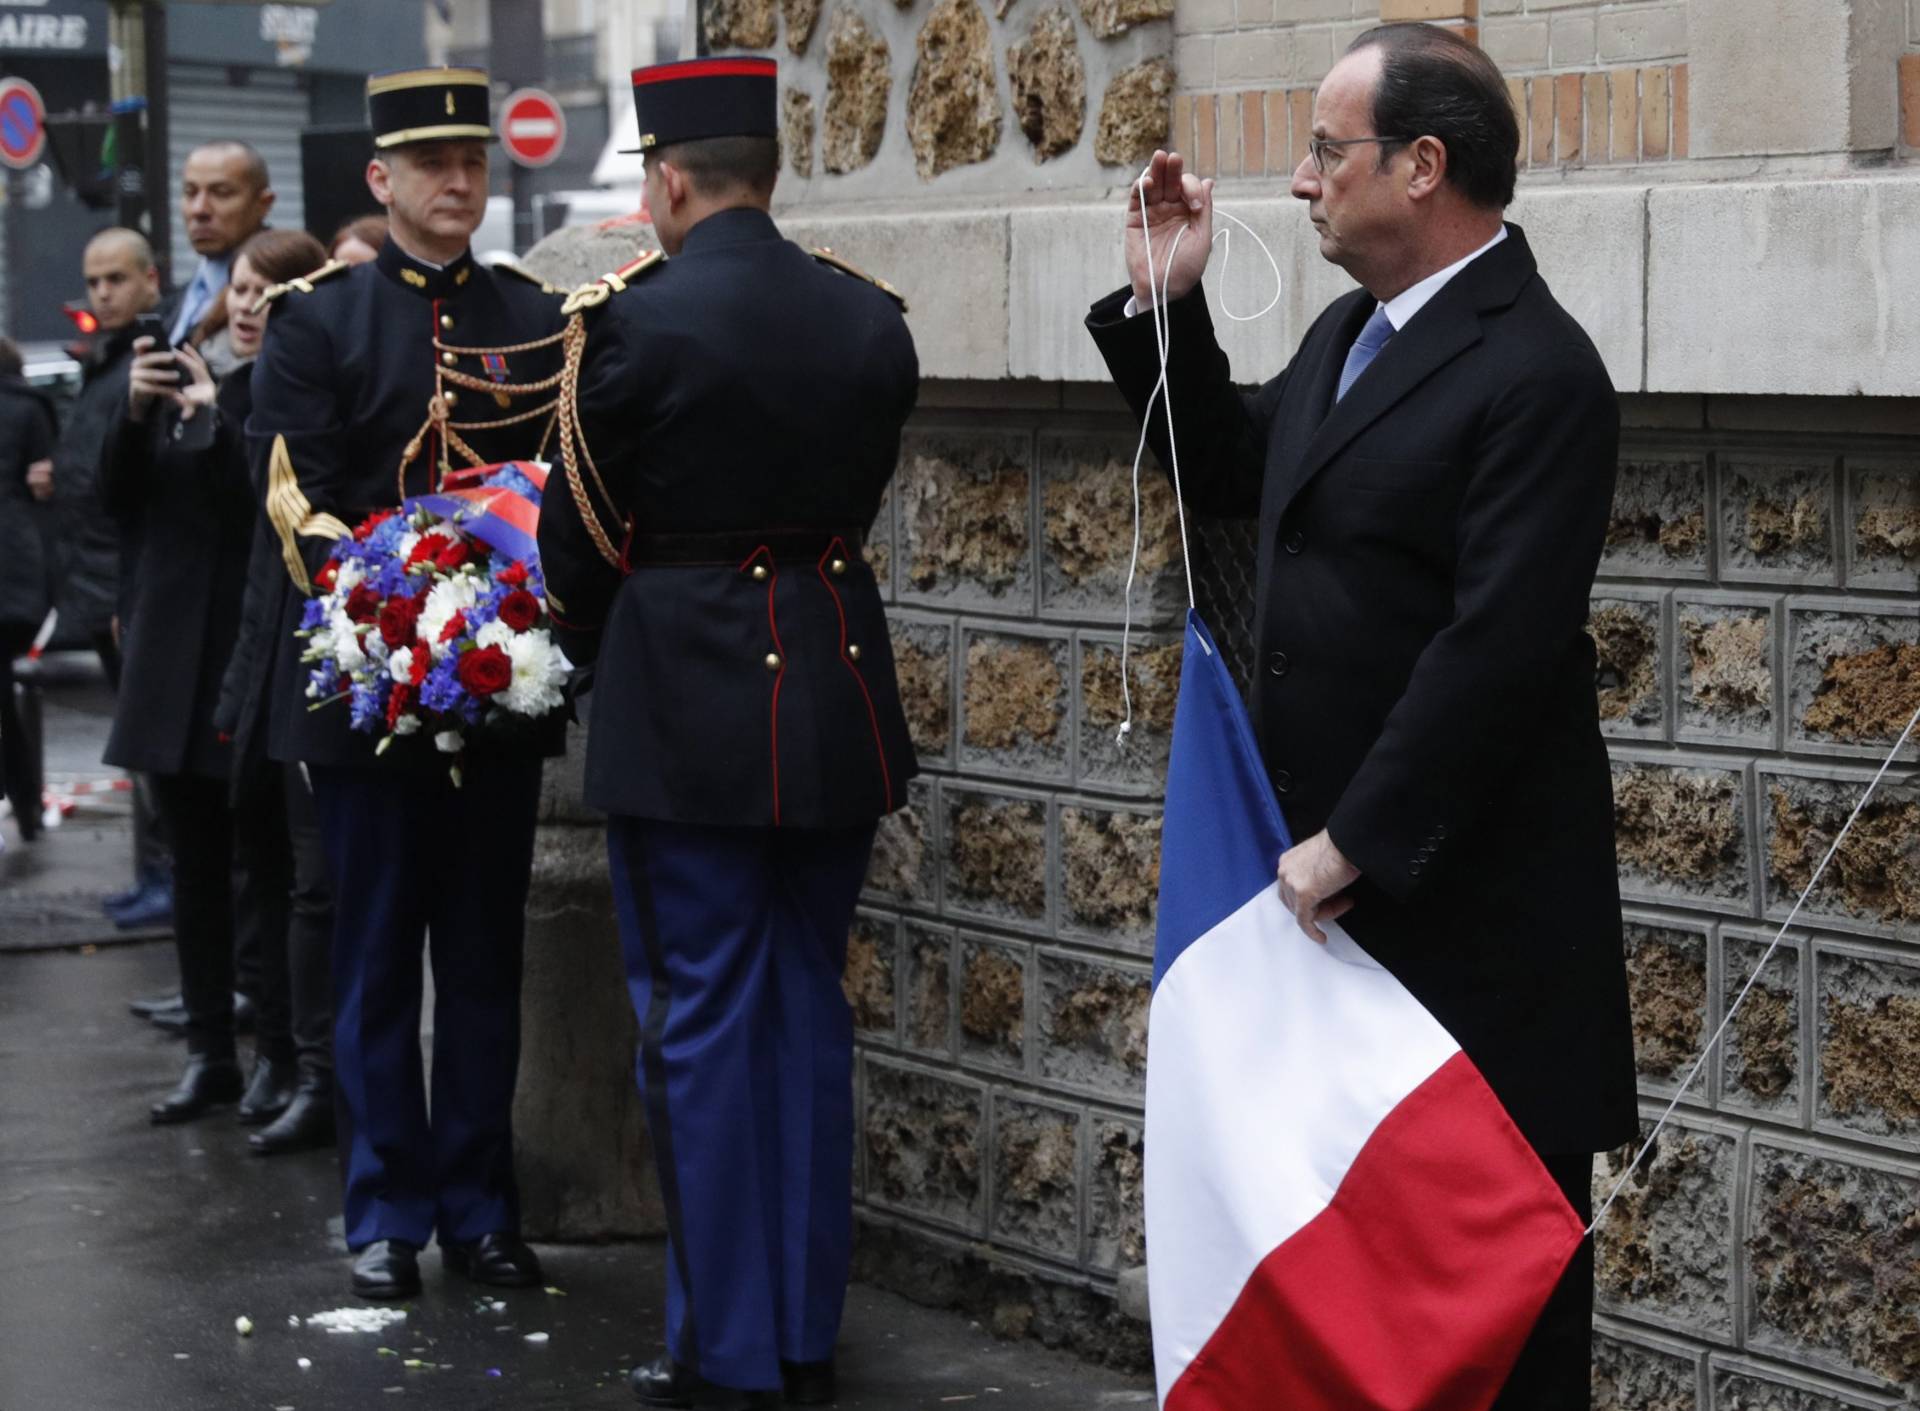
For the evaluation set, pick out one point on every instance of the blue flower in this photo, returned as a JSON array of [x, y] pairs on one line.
[[369, 706]]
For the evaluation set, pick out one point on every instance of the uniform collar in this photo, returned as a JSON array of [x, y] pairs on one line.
[[737, 225], [431, 281]]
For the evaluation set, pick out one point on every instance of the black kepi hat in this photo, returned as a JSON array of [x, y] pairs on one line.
[[696, 98], [429, 105]]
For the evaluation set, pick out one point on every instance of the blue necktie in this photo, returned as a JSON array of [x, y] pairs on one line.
[[1365, 349], [194, 306]]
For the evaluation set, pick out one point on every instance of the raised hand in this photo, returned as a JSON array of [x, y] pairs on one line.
[[200, 385], [1175, 201], [153, 376]]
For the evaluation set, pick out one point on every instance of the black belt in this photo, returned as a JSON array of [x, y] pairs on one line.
[[739, 548]]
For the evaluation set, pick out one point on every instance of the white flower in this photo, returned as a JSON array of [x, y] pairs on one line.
[[539, 670], [494, 634], [345, 643], [400, 666], [452, 595], [406, 724], [347, 578], [448, 742]]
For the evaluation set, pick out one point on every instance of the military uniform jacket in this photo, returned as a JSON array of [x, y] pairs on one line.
[[345, 380], [1424, 684], [744, 396]]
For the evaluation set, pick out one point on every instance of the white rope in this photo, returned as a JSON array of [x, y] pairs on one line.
[[1754, 978], [1226, 263]]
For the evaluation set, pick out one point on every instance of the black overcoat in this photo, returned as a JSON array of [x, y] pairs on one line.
[[192, 511], [345, 377], [1424, 687], [26, 582], [744, 395]]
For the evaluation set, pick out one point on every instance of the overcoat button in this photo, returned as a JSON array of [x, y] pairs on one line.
[[759, 573], [1277, 663], [449, 359], [1295, 542], [853, 651], [1282, 782], [1413, 868], [773, 661], [838, 567]]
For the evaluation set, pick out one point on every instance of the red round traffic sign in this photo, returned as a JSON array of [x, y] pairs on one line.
[[23, 124], [532, 127]]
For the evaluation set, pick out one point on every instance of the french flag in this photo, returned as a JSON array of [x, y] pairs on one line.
[[1340, 1214]]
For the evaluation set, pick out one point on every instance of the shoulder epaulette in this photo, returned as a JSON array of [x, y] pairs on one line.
[[827, 257], [598, 291], [303, 285], [509, 267]]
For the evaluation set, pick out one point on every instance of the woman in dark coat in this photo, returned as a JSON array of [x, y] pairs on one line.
[[26, 482], [175, 474]]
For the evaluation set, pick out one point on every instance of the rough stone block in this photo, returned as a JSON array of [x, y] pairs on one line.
[[1109, 874], [801, 16], [1664, 1254], [1873, 882], [966, 523], [905, 865], [1659, 524], [1134, 114], [1036, 1176], [1049, 84], [993, 1002], [1111, 18], [1869, 1042], [1015, 697], [1116, 1214], [859, 81], [1760, 1056], [878, 549], [1833, 1260], [1776, 521], [1667, 982], [1681, 830], [1087, 526], [1853, 679], [870, 980], [953, 106], [741, 24], [1630, 1375], [925, 1136], [1629, 677], [996, 856], [923, 659], [1753, 1388], [1139, 766], [1093, 1024], [796, 130], [1882, 530], [1724, 661], [929, 989]]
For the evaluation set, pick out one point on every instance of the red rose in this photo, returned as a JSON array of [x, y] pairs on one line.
[[326, 577], [455, 553], [363, 604], [520, 609], [397, 703], [455, 626], [397, 619], [485, 671], [514, 575], [373, 522]]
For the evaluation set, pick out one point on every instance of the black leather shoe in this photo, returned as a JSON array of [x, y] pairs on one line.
[[208, 1083], [663, 1382], [306, 1124], [808, 1383], [153, 907], [502, 1260], [147, 1008], [387, 1269], [269, 1091]]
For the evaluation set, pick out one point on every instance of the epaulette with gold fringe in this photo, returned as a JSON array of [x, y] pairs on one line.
[[827, 257], [597, 292], [303, 285]]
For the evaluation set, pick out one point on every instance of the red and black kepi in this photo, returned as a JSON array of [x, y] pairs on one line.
[[696, 98]]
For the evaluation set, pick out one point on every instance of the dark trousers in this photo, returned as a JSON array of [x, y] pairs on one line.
[[20, 745], [1555, 1369], [195, 811], [284, 913], [735, 939], [415, 859], [152, 857]]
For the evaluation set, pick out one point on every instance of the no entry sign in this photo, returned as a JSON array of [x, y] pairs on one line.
[[532, 127], [23, 124]]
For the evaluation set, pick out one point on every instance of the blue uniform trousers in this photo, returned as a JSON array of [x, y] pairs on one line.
[[735, 939], [414, 858]]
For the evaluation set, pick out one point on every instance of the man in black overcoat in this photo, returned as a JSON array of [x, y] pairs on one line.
[[1432, 475], [741, 402]]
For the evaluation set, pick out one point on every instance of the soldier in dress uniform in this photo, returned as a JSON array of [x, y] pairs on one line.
[[374, 382], [739, 406]]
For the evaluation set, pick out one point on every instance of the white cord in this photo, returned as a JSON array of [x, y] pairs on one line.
[[1754, 978], [1226, 263]]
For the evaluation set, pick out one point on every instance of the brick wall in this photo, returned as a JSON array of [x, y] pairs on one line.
[[1760, 645]]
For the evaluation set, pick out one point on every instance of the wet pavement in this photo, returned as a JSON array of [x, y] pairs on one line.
[[130, 1250]]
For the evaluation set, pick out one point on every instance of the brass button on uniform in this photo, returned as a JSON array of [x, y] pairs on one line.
[[838, 567], [449, 359], [446, 320], [451, 396], [853, 651], [773, 661], [759, 573]]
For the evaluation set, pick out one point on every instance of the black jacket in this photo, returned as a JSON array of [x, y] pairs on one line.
[[26, 436], [193, 512], [744, 403], [92, 549], [1425, 683], [345, 377]]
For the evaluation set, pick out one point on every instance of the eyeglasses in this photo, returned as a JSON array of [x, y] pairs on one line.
[[1318, 147]]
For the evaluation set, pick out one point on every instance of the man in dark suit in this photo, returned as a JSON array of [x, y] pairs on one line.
[[1432, 475], [742, 404], [371, 380]]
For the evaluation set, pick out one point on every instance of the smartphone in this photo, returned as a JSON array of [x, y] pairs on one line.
[[152, 326]]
